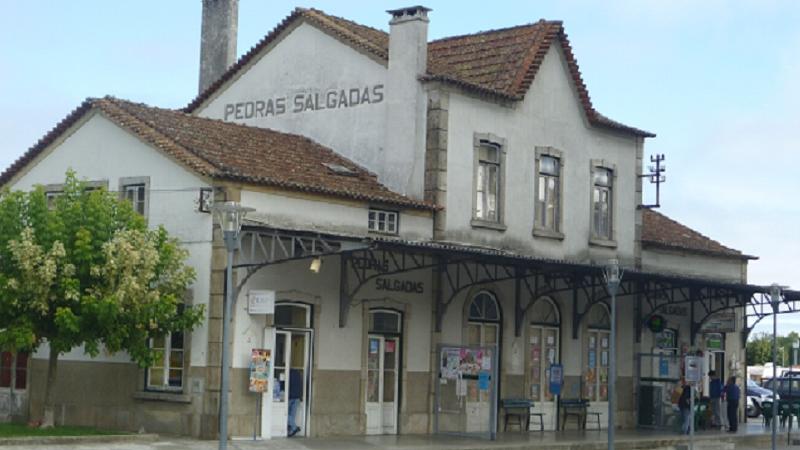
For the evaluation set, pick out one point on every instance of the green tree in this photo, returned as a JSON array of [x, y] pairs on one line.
[[759, 350], [84, 270]]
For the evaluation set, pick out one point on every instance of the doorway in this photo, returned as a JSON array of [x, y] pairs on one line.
[[483, 330], [543, 338], [292, 369], [383, 371]]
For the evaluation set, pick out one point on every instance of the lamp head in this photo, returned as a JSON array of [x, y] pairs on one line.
[[612, 271], [230, 216], [775, 293]]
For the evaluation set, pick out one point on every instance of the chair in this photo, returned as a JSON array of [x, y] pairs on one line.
[[784, 412], [766, 412]]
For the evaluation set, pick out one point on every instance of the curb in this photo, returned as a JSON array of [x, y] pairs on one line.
[[70, 440]]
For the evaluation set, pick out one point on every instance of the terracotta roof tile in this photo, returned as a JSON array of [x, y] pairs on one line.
[[227, 151], [501, 62], [660, 231]]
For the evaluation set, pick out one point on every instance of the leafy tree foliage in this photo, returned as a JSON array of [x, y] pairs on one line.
[[83, 269], [759, 349]]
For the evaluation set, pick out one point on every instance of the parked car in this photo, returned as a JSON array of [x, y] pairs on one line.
[[756, 395], [788, 388]]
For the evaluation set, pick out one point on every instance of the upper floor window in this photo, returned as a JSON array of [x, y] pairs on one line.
[[602, 196], [135, 194], [383, 221], [488, 181], [135, 190], [548, 195]]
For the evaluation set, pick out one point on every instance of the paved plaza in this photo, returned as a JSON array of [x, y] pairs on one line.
[[752, 436]]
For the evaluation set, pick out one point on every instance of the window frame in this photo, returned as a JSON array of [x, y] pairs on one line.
[[481, 140], [387, 213], [540, 230], [167, 366], [125, 182], [594, 238]]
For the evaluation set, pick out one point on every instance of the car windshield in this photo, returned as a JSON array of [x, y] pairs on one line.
[[752, 384]]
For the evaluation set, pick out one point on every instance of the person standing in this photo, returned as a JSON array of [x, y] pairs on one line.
[[715, 393], [732, 395], [295, 395], [684, 404]]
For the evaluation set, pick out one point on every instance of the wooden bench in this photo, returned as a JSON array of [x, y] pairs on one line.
[[520, 409]]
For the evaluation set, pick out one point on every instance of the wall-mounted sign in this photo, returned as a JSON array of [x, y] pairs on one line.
[[714, 341], [656, 323], [556, 378], [667, 338], [308, 99], [370, 263], [693, 369], [261, 302], [676, 310], [722, 322], [259, 369], [394, 285]]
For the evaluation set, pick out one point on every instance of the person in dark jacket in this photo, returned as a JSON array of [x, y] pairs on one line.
[[684, 404], [732, 395], [715, 393], [295, 396]]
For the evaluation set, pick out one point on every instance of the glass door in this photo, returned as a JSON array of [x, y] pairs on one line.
[[290, 386], [382, 384], [543, 353]]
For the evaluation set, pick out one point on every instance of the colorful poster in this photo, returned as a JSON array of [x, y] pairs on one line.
[[556, 378], [390, 346], [451, 359], [259, 369], [592, 359], [374, 344], [486, 363]]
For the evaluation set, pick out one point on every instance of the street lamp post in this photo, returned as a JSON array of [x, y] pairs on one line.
[[229, 215], [775, 299], [612, 275]]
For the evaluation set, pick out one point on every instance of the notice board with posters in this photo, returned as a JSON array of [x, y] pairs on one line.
[[260, 369]]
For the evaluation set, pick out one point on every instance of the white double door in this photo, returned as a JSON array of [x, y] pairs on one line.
[[292, 354], [382, 382], [543, 354]]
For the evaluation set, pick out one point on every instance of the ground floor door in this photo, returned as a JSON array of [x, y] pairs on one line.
[[478, 408], [543, 354], [292, 365], [382, 384]]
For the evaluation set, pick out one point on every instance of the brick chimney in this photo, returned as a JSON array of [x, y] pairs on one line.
[[218, 39], [406, 100]]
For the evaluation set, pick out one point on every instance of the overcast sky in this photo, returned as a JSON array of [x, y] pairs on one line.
[[718, 81]]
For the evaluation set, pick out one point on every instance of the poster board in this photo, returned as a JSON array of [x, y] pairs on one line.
[[260, 360]]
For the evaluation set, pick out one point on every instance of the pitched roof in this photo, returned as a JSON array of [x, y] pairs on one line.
[[659, 231], [501, 63], [228, 151]]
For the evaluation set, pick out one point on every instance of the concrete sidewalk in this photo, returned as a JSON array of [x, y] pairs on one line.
[[749, 437]]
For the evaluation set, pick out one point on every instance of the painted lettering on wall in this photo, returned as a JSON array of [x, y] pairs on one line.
[[676, 310], [394, 285], [303, 101]]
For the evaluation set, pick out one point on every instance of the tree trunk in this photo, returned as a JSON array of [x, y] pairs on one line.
[[49, 407]]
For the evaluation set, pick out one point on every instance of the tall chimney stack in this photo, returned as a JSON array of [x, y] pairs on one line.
[[218, 39], [406, 100]]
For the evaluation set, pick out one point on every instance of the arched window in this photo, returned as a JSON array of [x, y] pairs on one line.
[[596, 353], [483, 320], [292, 315], [544, 312]]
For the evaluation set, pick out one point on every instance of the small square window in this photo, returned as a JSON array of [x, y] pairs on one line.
[[382, 221]]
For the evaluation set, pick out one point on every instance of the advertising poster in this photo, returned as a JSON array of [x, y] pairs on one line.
[[259, 369], [451, 359], [483, 380], [556, 378]]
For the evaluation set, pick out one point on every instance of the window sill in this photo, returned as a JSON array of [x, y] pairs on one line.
[[600, 242], [479, 223], [166, 396], [546, 233]]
